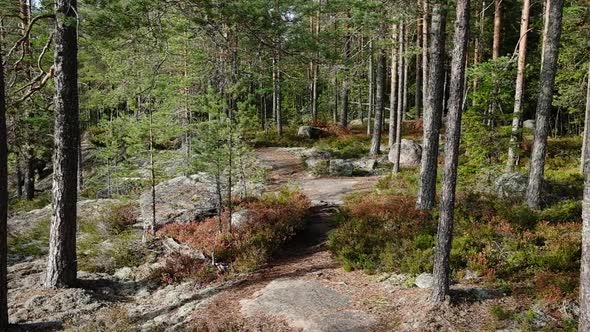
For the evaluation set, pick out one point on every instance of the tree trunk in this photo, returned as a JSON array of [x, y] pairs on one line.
[[425, 51], [547, 80], [418, 94], [586, 123], [440, 288], [584, 319], [61, 265], [477, 49], [276, 93], [400, 100], [393, 94], [497, 29], [371, 79], [345, 86], [379, 103], [406, 66], [519, 92], [432, 111], [29, 175], [315, 26], [3, 202]]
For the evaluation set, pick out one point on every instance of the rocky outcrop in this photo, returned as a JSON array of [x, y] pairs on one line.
[[185, 199], [410, 154], [424, 280], [309, 132], [511, 185]]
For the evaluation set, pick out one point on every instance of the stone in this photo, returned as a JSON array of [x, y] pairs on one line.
[[124, 273], [307, 305], [186, 199], [529, 124], [511, 185], [356, 123], [470, 275], [340, 167], [424, 280], [364, 164], [309, 132], [318, 162], [410, 154], [241, 217], [172, 246]]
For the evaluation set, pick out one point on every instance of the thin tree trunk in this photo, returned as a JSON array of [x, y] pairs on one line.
[[276, 93], [586, 123], [345, 86], [400, 100], [406, 42], [3, 201], [29, 186], [477, 50], [418, 94], [425, 52], [393, 94], [584, 319], [440, 288], [315, 26], [519, 91], [370, 110], [433, 110], [495, 55], [61, 262], [379, 102], [547, 80]]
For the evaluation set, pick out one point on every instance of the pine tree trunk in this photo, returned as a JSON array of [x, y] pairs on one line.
[[547, 80], [400, 97], [432, 111], [584, 319], [379, 103], [29, 175], [315, 26], [418, 94], [393, 94], [276, 93], [371, 98], [519, 91], [406, 66], [445, 226], [425, 51], [586, 123], [497, 29], [344, 107], [477, 49], [61, 265], [3, 202]]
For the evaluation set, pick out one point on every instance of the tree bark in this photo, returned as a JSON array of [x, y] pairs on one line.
[[433, 110], [584, 319], [497, 29], [425, 51], [440, 288], [547, 80], [61, 265], [3, 202], [406, 43], [276, 94], [393, 94], [586, 123], [418, 94], [371, 98], [315, 26], [345, 86], [519, 91], [379, 103], [401, 65], [477, 49], [29, 175]]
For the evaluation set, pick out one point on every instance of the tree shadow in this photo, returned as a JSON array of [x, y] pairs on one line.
[[49, 326]]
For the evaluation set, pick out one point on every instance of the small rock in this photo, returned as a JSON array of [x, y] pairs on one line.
[[528, 124], [340, 167], [241, 217], [511, 185], [364, 164], [424, 280], [410, 154], [309, 132], [470, 275], [124, 273]]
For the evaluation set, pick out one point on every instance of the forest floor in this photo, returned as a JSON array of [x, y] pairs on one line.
[[302, 288]]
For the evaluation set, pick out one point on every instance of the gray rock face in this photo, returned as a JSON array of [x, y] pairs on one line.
[[410, 154], [528, 124], [309, 132], [340, 167], [307, 305], [241, 217], [184, 199], [511, 185], [365, 164], [424, 280]]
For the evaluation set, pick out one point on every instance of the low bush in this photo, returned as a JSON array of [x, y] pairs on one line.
[[345, 147], [20, 205], [274, 219]]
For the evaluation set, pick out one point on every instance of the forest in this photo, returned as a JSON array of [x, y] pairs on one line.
[[294, 165]]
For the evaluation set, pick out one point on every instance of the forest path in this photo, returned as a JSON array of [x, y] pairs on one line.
[[303, 288]]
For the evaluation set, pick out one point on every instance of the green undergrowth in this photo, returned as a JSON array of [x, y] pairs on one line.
[[345, 147], [21, 205], [104, 242], [533, 253]]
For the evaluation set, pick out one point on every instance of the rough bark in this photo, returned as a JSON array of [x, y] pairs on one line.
[[586, 123], [393, 93], [418, 69], [29, 176], [344, 105], [425, 45], [61, 265], [477, 51], [401, 65], [400, 110], [276, 93], [315, 27], [379, 103], [584, 319], [440, 288], [3, 202], [371, 79], [497, 29], [547, 80], [433, 110], [519, 91], [406, 42]]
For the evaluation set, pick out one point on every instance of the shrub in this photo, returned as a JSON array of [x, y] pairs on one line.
[[20, 205], [383, 232], [346, 147], [178, 268], [274, 219]]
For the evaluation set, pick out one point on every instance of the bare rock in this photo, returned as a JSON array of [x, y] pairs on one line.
[[424, 280], [309, 132], [340, 167], [410, 154]]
